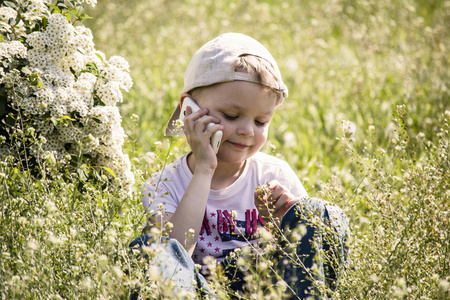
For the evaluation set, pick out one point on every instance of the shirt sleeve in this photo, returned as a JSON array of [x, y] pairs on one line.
[[288, 178]]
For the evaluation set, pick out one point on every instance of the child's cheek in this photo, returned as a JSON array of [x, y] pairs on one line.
[[265, 131], [226, 125]]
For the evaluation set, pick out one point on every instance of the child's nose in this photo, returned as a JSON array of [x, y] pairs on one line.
[[246, 129]]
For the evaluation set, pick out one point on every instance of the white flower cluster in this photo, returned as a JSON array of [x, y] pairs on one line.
[[6, 13], [80, 89], [89, 2], [10, 52], [35, 9]]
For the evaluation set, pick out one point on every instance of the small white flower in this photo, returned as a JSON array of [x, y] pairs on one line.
[[7, 13], [169, 225], [55, 240], [347, 127], [86, 283], [289, 139], [33, 245]]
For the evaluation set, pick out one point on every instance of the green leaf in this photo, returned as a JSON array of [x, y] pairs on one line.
[[66, 118], [3, 101], [10, 119], [25, 70], [10, 4], [2, 38], [98, 121], [97, 100], [99, 56], [109, 171], [55, 8], [62, 5], [85, 16], [54, 121], [91, 64], [46, 115], [60, 119], [96, 175], [44, 22], [82, 175], [74, 14], [35, 80]]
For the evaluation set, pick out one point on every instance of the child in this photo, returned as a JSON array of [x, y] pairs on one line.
[[214, 201]]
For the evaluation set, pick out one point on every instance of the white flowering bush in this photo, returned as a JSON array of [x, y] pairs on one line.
[[57, 86], [65, 181]]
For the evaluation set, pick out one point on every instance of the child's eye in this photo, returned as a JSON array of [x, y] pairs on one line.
[[229, 117], [258, 123]]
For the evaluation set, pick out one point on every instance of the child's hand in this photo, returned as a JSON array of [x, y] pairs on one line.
[[198, 135], [274, 200]]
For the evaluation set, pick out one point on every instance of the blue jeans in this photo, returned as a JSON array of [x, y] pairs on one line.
[[324, 231]]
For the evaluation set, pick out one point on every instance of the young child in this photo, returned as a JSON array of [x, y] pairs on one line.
[[214, 200]]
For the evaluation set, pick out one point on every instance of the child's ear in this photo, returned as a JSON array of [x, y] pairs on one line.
[[182, 96]]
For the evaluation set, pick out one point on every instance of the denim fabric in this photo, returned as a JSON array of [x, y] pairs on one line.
[[321, 250], [173, 263], [324, 230]]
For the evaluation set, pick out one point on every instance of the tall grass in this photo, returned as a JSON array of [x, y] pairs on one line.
[[365, 126]]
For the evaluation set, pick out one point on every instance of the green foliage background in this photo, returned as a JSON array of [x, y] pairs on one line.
[[340, 59], [381, 65]]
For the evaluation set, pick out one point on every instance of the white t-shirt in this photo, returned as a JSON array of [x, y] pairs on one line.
[[231, 217]]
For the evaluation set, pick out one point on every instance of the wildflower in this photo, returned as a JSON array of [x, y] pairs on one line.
[[55, 240], [153, 272], [289, 139], [33, 245], [347, 127], [447, 113], [117, 272], [169, 226], [265, 235], [51, 207], [86, 283], [102, 260]]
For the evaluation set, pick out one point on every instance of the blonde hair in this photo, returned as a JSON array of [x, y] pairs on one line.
[[260, 68], [262, 71]]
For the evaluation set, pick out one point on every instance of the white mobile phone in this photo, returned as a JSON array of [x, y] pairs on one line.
[[216, 138]]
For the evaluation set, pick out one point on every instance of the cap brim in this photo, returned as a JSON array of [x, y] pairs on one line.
[[171, 128]]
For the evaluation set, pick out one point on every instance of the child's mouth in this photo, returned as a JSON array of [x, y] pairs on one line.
[[239, 146]]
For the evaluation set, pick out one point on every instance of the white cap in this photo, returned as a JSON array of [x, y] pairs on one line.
[[215, 62]]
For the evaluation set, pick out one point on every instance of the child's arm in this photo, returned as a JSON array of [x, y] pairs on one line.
[[274, 200], [191, 209]]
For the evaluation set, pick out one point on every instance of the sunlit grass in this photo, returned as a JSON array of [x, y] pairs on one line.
[[365, 126]]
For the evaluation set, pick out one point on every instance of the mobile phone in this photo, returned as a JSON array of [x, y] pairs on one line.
[[216, 138]]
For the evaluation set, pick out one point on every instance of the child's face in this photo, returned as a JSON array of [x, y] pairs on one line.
[[245, 110]]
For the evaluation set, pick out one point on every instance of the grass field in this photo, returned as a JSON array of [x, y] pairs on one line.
[[366, 126]]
